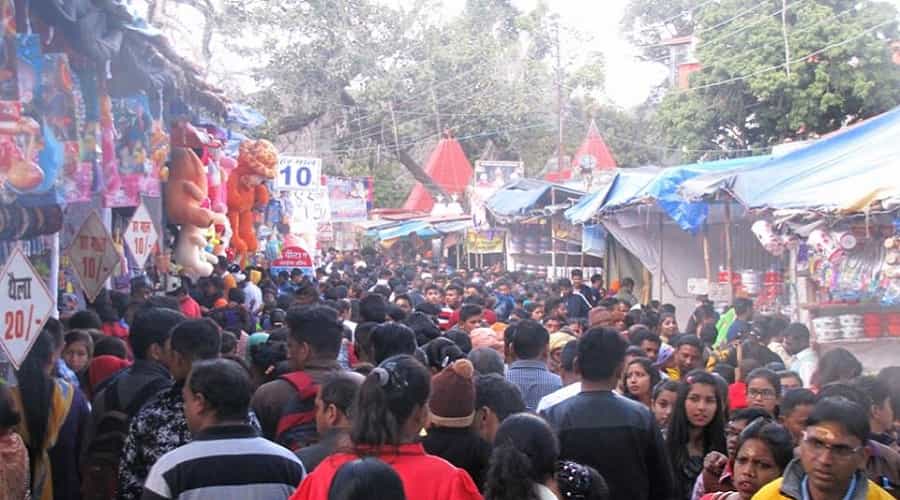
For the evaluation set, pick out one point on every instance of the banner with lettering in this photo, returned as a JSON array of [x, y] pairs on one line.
[[484, 242], [350, 198]]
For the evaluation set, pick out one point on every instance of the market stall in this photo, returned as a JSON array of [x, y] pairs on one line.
[[687, 248], [539, 239], [97, 112], [832, 207]]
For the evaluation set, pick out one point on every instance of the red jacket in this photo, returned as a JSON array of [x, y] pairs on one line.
[[190, 308], [424, 476]]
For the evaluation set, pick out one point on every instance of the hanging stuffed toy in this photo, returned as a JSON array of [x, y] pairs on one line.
[[247, 190], [185, 193]]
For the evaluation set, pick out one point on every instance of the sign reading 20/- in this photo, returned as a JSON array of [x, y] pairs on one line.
[[298, 173]]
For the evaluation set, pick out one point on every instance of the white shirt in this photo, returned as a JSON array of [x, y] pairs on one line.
[[252, 297], [804, 363], [543, 492], [558, 396]]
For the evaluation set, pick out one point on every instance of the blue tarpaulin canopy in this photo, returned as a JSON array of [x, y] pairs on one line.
[[847, 171], [627, 183], [423, 228], [651, 184], [517, 199]]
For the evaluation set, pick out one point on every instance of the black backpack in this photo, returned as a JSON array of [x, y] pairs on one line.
[[100, 464]]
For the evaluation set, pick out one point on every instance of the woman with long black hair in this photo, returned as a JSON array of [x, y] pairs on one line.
[[388, 416], [55, 413], [697, 427], [523, 462]]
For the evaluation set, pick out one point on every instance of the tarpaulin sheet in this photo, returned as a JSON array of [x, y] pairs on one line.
[[452, 226], [628, 182], [844, 172], [689, 216], [422, 228], [522, 196]]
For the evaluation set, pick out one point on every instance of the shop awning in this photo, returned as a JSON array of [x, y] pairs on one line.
[[660, 186], [423, 228], [847, 172], [624, 187], [521, 197]]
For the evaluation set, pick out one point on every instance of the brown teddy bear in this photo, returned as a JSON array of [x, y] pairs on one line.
[[186, 190]]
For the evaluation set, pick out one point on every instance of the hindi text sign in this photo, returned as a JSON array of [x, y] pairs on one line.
[[141, 235], [25, 305], [93, 255]]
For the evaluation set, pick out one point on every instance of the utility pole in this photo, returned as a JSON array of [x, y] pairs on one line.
[[784, 33], [559, 98]]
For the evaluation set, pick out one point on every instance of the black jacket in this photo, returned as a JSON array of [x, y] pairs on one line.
[[462, 448]]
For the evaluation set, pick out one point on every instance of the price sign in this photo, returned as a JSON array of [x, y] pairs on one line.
[[141, 235], [697, 286], [93, 255], [298, 173], [311, 206], [25, 304]]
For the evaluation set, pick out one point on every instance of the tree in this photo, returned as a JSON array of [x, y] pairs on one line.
[[752, 93], [646, 23], [388, 82]]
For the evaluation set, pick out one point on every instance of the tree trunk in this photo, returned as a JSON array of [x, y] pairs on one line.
[[420, 175]]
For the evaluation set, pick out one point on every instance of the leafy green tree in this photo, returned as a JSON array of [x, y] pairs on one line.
[[752, 93]]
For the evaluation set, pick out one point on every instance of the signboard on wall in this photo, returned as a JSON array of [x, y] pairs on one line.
[[489, 177]]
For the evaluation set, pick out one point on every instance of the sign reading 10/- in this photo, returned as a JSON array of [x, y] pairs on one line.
[[298, 173]]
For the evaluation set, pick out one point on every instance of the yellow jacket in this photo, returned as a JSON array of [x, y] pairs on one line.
[[788, 487]]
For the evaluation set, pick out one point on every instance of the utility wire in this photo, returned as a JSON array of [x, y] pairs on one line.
[[792, 61]]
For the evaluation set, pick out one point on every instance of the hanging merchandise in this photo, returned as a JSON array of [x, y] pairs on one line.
[[247, 190], [59, 110], [186, 192], [125, 126]]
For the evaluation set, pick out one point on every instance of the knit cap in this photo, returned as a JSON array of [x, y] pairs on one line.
[[452, 402]]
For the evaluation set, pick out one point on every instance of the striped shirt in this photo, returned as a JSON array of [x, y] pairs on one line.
[[535, 381], [227, 461]]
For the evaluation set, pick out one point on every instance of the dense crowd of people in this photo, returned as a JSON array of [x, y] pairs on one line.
[[382, 380]]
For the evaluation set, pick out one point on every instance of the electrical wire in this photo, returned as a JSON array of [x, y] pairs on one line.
[[718, 64], [791, 61]]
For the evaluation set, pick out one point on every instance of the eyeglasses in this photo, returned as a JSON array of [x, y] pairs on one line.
[[761, 394], [841, 451]]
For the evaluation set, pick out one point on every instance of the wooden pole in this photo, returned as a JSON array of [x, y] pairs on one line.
[[552, 273], [729, 258], [661, 274], [706, 260]]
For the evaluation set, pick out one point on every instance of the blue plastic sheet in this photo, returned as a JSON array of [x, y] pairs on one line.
[[626, 185], [845, 171]]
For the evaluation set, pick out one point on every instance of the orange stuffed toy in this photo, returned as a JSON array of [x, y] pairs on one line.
[[247, 190], [185, 192]]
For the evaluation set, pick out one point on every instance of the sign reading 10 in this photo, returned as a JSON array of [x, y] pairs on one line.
[[299, 173]]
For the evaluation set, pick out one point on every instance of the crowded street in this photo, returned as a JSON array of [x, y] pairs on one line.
[[450, 250]]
